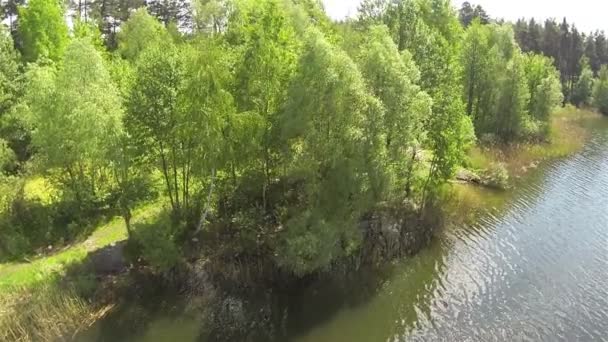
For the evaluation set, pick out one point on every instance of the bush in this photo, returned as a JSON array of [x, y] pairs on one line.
[[155, 243], [30, 223], [535, 131], [496, 176]]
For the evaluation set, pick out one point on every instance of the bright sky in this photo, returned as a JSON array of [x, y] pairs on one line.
[[588, 15]]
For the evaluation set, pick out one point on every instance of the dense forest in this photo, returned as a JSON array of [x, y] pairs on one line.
[[267, 130]]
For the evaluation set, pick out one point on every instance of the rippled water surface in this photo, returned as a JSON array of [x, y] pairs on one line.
[[536, 269]]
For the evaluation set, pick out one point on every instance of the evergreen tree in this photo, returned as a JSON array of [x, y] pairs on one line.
[[171, 12], [9, 10]]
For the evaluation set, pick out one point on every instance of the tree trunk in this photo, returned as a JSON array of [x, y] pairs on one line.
[[126, 215], [166, 175], [201, 222]]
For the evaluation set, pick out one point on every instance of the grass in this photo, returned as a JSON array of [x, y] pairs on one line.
[[44, 269], [36, 305], [49, 314], [567, 135]]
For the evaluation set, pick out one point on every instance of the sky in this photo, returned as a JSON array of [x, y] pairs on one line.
[[588, 15]]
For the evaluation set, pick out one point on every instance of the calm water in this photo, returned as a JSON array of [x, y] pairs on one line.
[[536, 269]]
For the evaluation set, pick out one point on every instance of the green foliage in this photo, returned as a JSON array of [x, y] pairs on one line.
[[508, 95], [468, 14], [512, 100], [90, 31], [325, 125], [497, 176], [211, 16], [450, 134], [156, 243], [545, 90], [275, 125], [179, 113], [13, 132], [600, 91], [139, 32], [76, 112], [9, 72], [7, 157], [392, 78], [152, 119], [583, 89], [264, 37], [43, 30], [476, 60]]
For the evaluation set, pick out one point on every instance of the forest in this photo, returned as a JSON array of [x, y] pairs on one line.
[[263, 135], [266, 131]]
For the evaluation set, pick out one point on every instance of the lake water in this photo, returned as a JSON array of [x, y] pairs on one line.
[[534, 269]]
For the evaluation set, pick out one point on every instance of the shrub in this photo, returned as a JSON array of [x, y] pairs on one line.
[[497, 176], [155, 243]]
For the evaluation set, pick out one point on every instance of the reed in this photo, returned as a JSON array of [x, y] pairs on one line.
[[48, 313]]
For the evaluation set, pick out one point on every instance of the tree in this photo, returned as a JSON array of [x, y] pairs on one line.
[[7, 158], [9, 72], [211, 16], [82, 9], [474, 58], [591, 54], [268, 50], [327, 124], [372, 12], [8, 12], [43, 30], [512, 102], [601, 47], [583, 89], [139, 32], [551, 41], [535, 33], [545, 90], [392, 78], [468, 13], [152, 113], [111, 14], [574, 57], [76, 112], [171, 11], [211, 136], [13, 128], [600, 91]]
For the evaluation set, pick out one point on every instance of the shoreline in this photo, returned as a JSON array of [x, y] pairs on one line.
[[64, 293]]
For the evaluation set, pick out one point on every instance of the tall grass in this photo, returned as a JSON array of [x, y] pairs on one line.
[[38, 303], [48, 313]]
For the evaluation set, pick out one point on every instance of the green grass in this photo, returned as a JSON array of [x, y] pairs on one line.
[[567, 136], [36, 306], [45, 269], [51, 313]]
